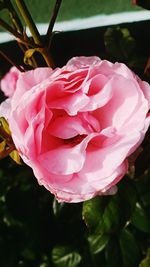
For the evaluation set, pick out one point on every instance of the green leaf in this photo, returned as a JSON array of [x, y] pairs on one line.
[[4, 124], [119, 43], [27, 253], [112, 253], [146, 261], [65, 257], [103, 215], [2, 5], [122, 250], [16, 157], [141, 219], [142, 187], [111, 215], [29, 53], [44, 265], [128, 198], [2, 146], [129, 249], [142, 162], [97, 242], [111, 218], [92, 212]]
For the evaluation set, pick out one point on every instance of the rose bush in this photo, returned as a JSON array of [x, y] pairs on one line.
[[76, 126]]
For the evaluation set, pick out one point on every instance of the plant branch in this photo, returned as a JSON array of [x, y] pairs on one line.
[[6, 152], [10, 61], [14, 16], [147, 68], [19, 28], [52, 21], [16, 34], [29, 21], [32, 27], [8, 28], [34, 31]]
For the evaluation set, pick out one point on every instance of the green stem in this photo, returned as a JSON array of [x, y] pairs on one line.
[[10, 61], [34, 31], [47, 57], [26, 42], [8, 28], [16, 34], [14, 16], [19, 28], [52, 21], [29, 21]]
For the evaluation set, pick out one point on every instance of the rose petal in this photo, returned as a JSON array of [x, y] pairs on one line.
[[82, 62], [9, 81]]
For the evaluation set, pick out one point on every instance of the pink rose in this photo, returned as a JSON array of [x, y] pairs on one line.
[[8, 83], [76, 126]]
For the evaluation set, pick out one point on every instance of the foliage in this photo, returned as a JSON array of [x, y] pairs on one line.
[[36, 230]]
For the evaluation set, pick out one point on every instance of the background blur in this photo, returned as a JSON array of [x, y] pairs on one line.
[[71, 9]]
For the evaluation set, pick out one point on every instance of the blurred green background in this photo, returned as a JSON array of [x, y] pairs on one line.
[[71, 9], [78, 8]]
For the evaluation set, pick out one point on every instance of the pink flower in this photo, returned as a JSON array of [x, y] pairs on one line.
[[76, 126], [8, 83]]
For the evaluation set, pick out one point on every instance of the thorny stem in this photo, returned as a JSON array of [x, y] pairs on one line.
[[11, 62], [34, 31], [52, 21]]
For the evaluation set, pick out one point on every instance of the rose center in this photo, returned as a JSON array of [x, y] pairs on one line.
[[75, 140]]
